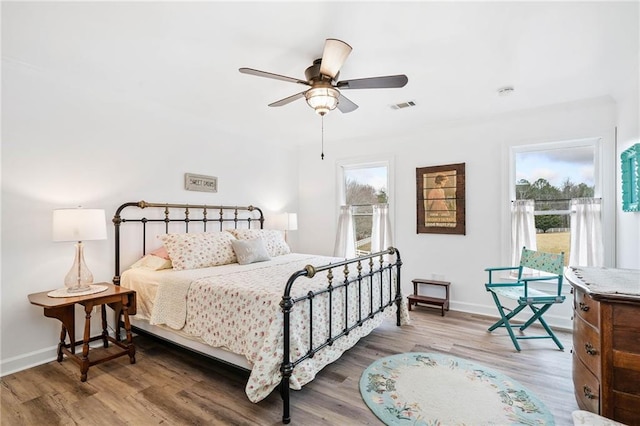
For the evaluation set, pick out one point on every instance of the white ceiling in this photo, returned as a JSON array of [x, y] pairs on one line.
[[184, 58]]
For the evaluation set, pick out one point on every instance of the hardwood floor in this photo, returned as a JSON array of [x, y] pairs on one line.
[[170, 386]]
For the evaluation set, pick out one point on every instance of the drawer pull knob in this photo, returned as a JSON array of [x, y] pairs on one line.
[[588, 347], [584, 307], [587, 392]]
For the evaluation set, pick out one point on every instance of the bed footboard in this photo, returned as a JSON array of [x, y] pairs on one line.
[[360, 276]]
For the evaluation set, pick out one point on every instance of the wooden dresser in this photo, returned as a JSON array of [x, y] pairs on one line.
[[606, 341]]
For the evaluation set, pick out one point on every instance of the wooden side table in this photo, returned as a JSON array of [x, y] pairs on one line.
[[416, 298], [63, 309]]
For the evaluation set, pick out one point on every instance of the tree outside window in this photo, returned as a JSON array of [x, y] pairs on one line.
[[552, 177], [365, 186]]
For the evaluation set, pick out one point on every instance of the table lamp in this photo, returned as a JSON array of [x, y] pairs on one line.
[[79, 225], [290, 223]]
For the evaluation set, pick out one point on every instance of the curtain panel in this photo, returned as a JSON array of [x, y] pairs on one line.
[[345, 245], [587, 248], [523, 228], [381, 236]]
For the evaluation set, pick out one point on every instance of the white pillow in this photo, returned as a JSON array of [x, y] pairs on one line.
[[250, 251], [199, 250], [273, 239]]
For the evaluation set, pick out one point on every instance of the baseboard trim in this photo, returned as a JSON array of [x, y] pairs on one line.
[[556, 321], [35, 358], [28, 360], [43, 356]]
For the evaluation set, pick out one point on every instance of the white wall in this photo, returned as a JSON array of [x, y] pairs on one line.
[[483, 146], [628, 222], [63, 146]]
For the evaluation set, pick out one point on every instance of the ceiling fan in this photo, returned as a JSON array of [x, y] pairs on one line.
[[323, 94]]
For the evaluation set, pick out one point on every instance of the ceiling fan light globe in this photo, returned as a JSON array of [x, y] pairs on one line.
[[322, 99]]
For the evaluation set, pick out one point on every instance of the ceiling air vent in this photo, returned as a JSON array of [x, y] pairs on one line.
[[402, 105]]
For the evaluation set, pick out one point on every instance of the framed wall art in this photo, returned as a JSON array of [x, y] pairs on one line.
[[630, 162], [202, 183], [441, 199]]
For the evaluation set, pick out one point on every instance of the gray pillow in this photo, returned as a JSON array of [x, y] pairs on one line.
[[250, 251]]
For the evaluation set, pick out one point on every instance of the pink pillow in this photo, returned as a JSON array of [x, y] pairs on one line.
[[161, 252]]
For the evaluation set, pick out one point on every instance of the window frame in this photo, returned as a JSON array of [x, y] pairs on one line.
[[387, 161], [604, 183]]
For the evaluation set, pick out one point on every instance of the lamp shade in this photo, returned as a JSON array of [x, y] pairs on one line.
[[291, 222], [286, 221], [79, 225]]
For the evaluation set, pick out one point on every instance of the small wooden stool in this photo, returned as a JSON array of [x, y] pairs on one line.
[[416, 298]]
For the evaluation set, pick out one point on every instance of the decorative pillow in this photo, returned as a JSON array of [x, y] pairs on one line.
[[250, 251], [161, 252], [199, 250], [152, 262], [273, 239]]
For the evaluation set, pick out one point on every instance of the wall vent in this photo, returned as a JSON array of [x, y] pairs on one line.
[[402, 105]]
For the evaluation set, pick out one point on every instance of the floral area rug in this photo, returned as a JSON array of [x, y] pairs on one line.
[[438, 390]]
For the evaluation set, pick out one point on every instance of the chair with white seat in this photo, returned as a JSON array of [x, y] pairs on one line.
[[534, 266]]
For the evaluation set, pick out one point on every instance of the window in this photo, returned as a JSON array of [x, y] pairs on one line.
[[361, 185], [552, 174]]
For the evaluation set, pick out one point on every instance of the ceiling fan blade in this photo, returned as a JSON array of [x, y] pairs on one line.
[[345, 105], [389, 81], [333, 57], [287, 100], [265, 74]]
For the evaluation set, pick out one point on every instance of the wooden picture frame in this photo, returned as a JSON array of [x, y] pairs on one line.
[[630, 163], [441, 199]]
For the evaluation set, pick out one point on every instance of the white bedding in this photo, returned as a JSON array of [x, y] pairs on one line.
[[237, 307]]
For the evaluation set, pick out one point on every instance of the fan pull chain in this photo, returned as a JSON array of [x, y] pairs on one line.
[[322, 153]]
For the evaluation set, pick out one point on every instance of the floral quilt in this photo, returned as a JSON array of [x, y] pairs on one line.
[[240, 311]]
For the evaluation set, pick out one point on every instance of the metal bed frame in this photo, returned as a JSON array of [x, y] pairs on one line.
[[366, 269]]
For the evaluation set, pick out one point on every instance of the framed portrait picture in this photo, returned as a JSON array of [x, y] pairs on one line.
[[441, 199]]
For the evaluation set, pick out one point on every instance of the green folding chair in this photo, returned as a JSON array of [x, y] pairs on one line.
[[537, 300]]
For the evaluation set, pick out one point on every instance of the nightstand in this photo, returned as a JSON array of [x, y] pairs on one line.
[[63, 309], [442, 302]]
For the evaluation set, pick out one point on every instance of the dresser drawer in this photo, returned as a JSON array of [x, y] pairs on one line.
[[586, 308], [587, 387], [586, 345]]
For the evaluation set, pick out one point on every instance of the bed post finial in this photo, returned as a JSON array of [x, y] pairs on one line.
[[311, 271]]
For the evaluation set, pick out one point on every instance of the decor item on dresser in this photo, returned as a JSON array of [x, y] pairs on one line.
[[630, 163], [606, 341], [79, 225], [441, 199], [272, 311], [437, 389]]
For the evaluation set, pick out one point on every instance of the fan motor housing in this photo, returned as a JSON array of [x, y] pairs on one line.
[[313, 72]]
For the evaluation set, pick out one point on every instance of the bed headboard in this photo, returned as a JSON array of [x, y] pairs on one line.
[[158, 218]]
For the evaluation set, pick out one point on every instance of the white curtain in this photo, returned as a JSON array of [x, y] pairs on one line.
[[586, 232], [523, 228], [381, 238], [345, 238]]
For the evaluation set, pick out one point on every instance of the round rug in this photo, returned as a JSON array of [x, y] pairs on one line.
[[434, 389]]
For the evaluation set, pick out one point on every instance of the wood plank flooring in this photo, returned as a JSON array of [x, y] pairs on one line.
[[170, 386]]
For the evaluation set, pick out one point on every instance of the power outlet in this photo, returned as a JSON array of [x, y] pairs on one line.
[[96, 310]]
